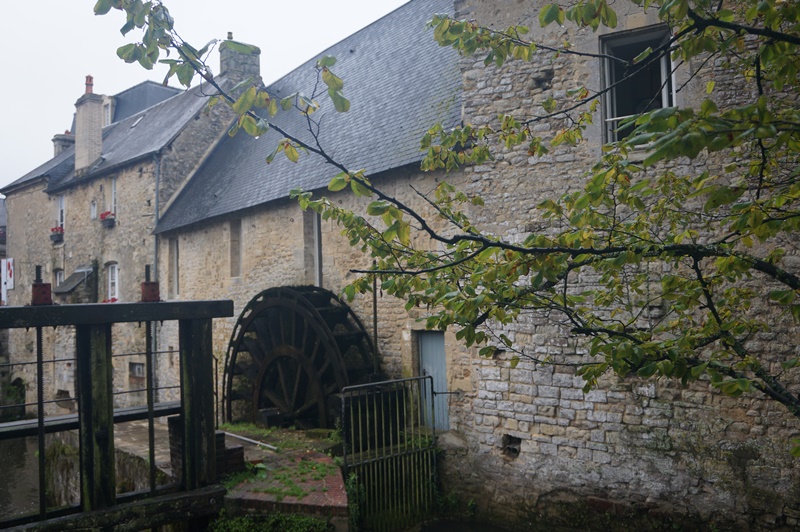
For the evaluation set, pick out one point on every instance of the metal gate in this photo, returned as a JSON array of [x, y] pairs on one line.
[[389, 452]]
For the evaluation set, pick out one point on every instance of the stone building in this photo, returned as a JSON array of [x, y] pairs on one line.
[[87, 216], [526, 445]]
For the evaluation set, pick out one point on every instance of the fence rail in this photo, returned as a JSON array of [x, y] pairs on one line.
[[96, 415], [389, 449]]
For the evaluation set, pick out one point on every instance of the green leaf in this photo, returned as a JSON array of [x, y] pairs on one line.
[[291, 152], [514, 361], [127, 52], [549, 13], [643, 55], [339, 182], [245, 101], [332, 81], [287, 102], [783, 297], [326, 61], [102, 7], [377, 208], [341, 103]]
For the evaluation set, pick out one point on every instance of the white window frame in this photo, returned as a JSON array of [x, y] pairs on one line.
[[62, 211], [106, 114], [651, 36], [93, 210], [112, 281], [59, 277], [113, 203]]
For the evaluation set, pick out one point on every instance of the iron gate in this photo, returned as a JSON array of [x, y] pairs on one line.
[[389, 451]]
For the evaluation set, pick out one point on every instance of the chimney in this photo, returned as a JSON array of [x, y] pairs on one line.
[[88, 128], [62, 141], [239, 61]]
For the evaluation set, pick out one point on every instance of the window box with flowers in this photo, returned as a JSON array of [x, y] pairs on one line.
[[57, 234], [108, 219]]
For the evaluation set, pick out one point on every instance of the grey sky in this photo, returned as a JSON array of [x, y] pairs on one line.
[[51, 45]]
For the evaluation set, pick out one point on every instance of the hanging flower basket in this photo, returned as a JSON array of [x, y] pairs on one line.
[[108, 219], [57, 234]]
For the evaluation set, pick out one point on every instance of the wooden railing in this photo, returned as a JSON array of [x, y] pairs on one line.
[[197, 494]]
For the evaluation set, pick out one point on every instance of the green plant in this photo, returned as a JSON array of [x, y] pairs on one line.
[[275, 522], [356, 496]]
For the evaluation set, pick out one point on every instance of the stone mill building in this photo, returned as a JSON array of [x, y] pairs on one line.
[[214, 221]]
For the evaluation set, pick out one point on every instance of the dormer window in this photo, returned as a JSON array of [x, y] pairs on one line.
[[107, 116]]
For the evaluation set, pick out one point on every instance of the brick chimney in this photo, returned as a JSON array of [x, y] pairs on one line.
[[88, 128], [239, 61], [62, 141]]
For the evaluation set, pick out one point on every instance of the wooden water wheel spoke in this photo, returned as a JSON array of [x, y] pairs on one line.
[[311, 403], [285, 356], [296, 387], [256, 350]]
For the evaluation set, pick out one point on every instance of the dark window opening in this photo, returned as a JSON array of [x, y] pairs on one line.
[[634, 88], [511, 446]]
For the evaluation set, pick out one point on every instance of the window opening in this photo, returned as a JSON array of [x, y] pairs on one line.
[[634, 89], [112, 288], [136, 369], [61, 211], [174, 267], [236, 247]]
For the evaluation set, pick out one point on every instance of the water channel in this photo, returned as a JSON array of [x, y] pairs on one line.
[[19, 485]]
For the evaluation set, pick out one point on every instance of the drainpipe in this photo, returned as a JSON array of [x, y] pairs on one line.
[[157, 161]]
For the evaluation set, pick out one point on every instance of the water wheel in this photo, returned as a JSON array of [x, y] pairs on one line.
[[291, 349]]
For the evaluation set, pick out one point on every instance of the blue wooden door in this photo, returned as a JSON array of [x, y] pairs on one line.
[[432, 361]]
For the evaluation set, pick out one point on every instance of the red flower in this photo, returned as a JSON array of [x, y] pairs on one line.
[[112, 300], [57, 229], [107, 214]]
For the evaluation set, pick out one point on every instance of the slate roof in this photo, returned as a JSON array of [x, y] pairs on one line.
[[399, 82], [133, 138], [139, 97]]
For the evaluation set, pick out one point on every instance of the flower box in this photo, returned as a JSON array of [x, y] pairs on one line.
[[57, 234], [108, 219]]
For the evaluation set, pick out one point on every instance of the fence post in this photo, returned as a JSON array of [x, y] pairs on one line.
[[197, 401], [96, 416]]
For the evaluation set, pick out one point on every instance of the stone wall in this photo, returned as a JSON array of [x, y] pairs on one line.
[[530, 438], [527, 445]]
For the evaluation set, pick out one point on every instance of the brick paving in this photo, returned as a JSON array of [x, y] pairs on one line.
[[312, 473]]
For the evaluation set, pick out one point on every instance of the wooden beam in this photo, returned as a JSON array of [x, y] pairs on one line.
[[197, 399], [96, 416], [29, 427], [141, 515], [98, 313]]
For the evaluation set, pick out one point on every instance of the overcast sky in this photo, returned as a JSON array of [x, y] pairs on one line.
[[51, 45]]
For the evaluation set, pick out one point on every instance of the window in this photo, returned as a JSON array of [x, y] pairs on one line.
[[136, 369], [61, 211], [93, 210], [58, 276], [106, 113], [174, 268], [112, 282], [236, 248], [637, 88]]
